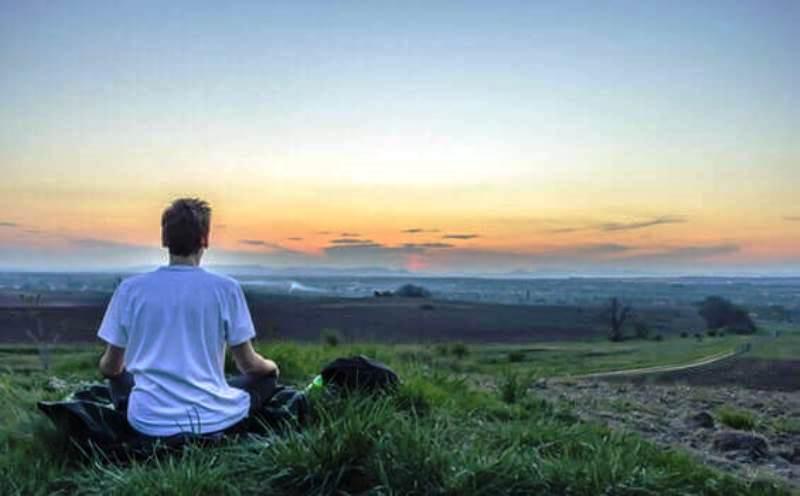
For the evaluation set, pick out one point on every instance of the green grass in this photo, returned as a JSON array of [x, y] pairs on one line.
[[736, 419], [441, 433]]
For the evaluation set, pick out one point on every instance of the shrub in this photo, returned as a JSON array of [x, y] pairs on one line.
[[331, 337], [658, 337], [712, 333], [642, 329], [512, 387], [516, 356], [698, 336], [412, 291], [736, 419], [684, 334], [440, 349], [459, 350]]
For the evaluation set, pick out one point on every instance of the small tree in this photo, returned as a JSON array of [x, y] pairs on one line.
[[617, 314], [459, 350], [412, 291], [331, 337], [719, 312]]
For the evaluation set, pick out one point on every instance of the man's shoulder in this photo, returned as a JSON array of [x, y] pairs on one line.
[[222, 280], [132, 281]]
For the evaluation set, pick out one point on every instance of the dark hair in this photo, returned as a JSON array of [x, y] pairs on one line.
[[185, 225]]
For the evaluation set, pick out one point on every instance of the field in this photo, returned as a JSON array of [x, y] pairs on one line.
[[465, 421], [497, 398]]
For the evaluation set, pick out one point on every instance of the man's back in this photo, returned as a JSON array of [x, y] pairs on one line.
[[174, 324]]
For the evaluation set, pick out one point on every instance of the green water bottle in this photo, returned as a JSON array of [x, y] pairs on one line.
[[316, 385]]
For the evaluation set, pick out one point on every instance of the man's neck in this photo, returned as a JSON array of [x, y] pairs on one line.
[[190, 260]]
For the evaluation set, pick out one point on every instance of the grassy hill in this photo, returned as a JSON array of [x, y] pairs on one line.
[[464, 422]]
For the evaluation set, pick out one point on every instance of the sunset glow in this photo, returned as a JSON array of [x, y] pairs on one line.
[[531, 137]]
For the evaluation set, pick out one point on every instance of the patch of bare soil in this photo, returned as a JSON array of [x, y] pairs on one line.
[[688, 417]]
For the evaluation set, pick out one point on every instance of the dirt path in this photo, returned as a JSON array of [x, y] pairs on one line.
[[709, 360]]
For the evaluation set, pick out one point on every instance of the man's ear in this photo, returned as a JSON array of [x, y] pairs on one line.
[[163, 239], [204, 241]]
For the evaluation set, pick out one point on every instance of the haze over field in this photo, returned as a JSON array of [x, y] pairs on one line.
[[627, 137]]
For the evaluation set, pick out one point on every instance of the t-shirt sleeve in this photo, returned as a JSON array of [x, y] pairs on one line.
[[113, 329], [240, 326]]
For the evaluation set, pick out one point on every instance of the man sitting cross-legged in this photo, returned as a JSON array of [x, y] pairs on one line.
[[167, 331]]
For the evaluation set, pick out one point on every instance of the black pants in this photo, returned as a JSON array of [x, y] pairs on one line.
[[260, 388]]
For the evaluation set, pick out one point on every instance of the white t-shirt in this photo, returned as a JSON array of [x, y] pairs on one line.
[[174, 324]]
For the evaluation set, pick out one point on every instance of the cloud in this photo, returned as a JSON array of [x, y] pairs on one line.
[[460, 236], [351, 241], [792, 218], [9, 224], [323, 233], [428, 245], [477, 260], [448, 256], [364, 245], [621, 226], [629, 226], [564, 230], [349, 235], [578, 258], [589, 250], [371, 253], [273, 248], [295, 238], [686, 253], [95, 243], [419, 230]]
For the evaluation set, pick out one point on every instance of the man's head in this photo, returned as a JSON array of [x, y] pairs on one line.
[[185, 225]]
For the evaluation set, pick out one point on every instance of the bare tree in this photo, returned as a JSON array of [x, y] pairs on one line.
[[617, 315], [43, 340]]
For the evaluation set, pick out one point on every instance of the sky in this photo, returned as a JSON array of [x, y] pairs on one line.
[[435, 137]]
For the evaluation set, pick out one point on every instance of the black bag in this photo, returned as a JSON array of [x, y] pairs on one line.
[[359, 373]]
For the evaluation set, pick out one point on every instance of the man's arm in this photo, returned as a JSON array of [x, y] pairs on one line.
[[112, 363], [248, 361]]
